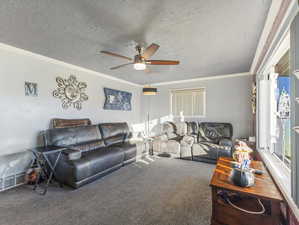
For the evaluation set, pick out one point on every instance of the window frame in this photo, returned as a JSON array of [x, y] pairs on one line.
[[279, 51], [278, 169], [188, 89]]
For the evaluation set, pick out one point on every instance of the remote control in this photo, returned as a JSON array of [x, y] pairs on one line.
[[258, 172]]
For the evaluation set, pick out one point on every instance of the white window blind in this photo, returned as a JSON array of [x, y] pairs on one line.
[[189, 102]]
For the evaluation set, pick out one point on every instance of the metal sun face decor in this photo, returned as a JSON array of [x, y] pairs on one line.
[[117, 100], [71, 92], [31, 89]]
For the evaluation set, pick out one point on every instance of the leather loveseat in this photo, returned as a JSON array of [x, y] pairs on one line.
[[214, 141], [92, 151]]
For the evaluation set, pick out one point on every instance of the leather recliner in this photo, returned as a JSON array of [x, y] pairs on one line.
[[193, 130], [167, 142], [174, 140], [92, 151], [214, 141]]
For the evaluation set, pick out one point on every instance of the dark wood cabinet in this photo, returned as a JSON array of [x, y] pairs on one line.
[[264, 189]]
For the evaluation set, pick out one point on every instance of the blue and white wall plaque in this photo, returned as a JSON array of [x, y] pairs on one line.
[[117, 100]]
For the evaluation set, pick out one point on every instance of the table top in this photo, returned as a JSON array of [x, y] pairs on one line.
[[47, 149], [264, 186]]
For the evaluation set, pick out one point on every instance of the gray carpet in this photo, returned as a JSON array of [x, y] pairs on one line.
[[163, 192]]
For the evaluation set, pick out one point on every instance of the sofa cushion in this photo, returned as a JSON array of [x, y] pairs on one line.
[[181, 128], [130, 150], [117, 139], [114, 132], [193, 128], [169, 129], [213, 132], [94, 162], [71, 135], [72, 154], [215, 151], [88, 146], [63, 123], [226, 142]]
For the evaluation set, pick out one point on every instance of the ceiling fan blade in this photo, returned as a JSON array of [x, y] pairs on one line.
[[117, 55], [150, 50], [162, 62], [116, 67]]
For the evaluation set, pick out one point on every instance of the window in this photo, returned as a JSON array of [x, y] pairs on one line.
[[188, 102], [282, 146]]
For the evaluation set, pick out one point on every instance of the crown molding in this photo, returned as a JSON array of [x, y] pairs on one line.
[[61, 63], [279, 16], [71, 66], [273, 10], [203, 78]]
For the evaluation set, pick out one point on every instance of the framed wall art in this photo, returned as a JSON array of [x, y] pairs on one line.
[[117, 100]]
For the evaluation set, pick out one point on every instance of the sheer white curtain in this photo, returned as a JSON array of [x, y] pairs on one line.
[[263, 110], [267, 110]]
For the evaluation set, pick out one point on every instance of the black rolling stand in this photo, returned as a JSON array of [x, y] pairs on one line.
[[46, 165]]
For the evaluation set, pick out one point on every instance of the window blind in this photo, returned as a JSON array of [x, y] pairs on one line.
[[189, 102]]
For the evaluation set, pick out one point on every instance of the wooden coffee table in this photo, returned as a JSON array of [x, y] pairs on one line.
[[264, 189]]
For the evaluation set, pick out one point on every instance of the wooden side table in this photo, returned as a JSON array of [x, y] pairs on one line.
[[264, 189]]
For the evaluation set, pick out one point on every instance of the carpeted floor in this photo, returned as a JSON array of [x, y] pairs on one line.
[[163, 192]]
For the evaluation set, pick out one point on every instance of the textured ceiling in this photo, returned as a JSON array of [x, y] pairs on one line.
[[210, 38]]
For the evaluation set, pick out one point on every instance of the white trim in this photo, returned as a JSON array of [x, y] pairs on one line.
[[282, 47], [271, 52], [292, 9], [278, 52], [274, 9], [202, 78], [282, 177], [72, 66], [61, 63]]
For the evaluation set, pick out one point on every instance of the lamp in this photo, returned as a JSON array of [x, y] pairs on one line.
[[139, 66], [149, 91]]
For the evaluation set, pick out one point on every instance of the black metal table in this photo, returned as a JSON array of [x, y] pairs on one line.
[[46, 165]]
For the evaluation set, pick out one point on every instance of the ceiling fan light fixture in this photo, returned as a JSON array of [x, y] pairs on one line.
[[139, 66], [149, 91]]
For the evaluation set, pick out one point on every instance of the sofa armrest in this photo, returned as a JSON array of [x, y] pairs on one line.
[[136, 140], [187, 140], [226, 142], [162, 137], [72, 154]]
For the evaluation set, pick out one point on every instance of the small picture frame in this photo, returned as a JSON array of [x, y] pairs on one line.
[[31, 89]]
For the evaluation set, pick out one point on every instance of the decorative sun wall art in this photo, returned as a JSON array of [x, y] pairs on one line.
[[71, 92], [117, 100]]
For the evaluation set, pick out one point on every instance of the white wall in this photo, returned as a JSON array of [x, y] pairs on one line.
[[227, 100], [23, 117]]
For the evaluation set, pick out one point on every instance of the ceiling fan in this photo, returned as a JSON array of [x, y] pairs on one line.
[[142, 58]]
